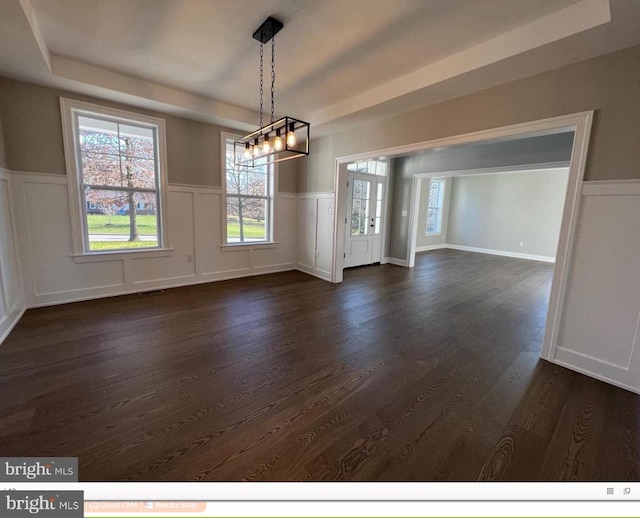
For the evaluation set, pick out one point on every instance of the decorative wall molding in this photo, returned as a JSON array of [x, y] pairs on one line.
[[183, 187], [53, 275], [60, 179], [160, 284], [489, 251], [591, 368], [316, 195], [611, 188], [12, 305], [9, 321], [314, 250], [599, 331], [428, 248], [51, 176], [325, 276], [393, 260]]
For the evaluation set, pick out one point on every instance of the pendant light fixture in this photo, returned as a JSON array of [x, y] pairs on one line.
[[279, 140]]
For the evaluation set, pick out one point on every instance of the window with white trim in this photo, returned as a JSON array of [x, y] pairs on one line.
[[117, 177], [249, 195], [435, 206]]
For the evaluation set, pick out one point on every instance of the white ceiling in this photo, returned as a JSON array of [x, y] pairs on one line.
[[339, 62]]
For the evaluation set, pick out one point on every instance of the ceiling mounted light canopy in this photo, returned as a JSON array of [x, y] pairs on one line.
[[282, 139]]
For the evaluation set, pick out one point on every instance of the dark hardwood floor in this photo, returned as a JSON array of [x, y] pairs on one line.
[[396, 374]]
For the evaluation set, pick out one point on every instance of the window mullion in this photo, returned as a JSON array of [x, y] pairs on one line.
[[117, 188]]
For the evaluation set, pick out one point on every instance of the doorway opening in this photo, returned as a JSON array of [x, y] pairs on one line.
[[579, 125]]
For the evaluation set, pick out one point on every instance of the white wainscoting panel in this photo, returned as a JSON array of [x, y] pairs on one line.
[[182, 234], [212, 262], [208, 234], [11, 298], [53, 275], [49, 234], [307, 221], [324, 240], [281, 257], [599, 330], [315, 234]]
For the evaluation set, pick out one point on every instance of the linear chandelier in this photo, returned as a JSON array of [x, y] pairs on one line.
[[280, 140]]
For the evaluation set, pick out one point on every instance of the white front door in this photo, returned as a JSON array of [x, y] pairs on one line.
[[364, 220]]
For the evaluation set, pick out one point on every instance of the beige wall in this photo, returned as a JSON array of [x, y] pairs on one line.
[[318, 169], [500, 211], [3, 153], [609, 84], [33, 137]]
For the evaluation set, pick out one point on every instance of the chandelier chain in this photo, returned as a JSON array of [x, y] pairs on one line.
[[261, 73], [273, 75]]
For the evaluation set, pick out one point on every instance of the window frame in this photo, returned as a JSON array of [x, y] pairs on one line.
[[272, 171], [440, 208], [70, 110]]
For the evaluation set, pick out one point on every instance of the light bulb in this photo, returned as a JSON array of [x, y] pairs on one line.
[[256, 150], [265, 145], [277, 142], [291, 136], [247, 151]]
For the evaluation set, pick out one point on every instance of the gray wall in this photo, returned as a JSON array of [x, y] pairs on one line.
[[609, 84], [33, 137], [536, 150], [523, 151], [421, 227], [498, 211]]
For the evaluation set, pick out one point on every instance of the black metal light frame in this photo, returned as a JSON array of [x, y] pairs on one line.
[[286, 138], [244, 148]]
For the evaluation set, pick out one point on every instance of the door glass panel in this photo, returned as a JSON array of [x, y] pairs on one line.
[[378, 209], [360, 207]]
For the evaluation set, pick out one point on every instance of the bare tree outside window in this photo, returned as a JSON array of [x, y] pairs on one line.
[[248, 200], [435, 205]]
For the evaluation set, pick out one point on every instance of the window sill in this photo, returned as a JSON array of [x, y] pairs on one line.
[[432, 234], [116, 255], [249, 246]]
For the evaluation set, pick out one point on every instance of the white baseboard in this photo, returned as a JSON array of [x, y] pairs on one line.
[[596, 375], [165, 284], [393, 260], [516, 255], [9, 322], [430, 247], [320, 274]]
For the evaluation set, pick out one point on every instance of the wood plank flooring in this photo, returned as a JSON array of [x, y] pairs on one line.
[[396, 374]]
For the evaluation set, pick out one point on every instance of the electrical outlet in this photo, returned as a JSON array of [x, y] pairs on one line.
[[521, 244], [190, 258], [330, 211], [404, 213]]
